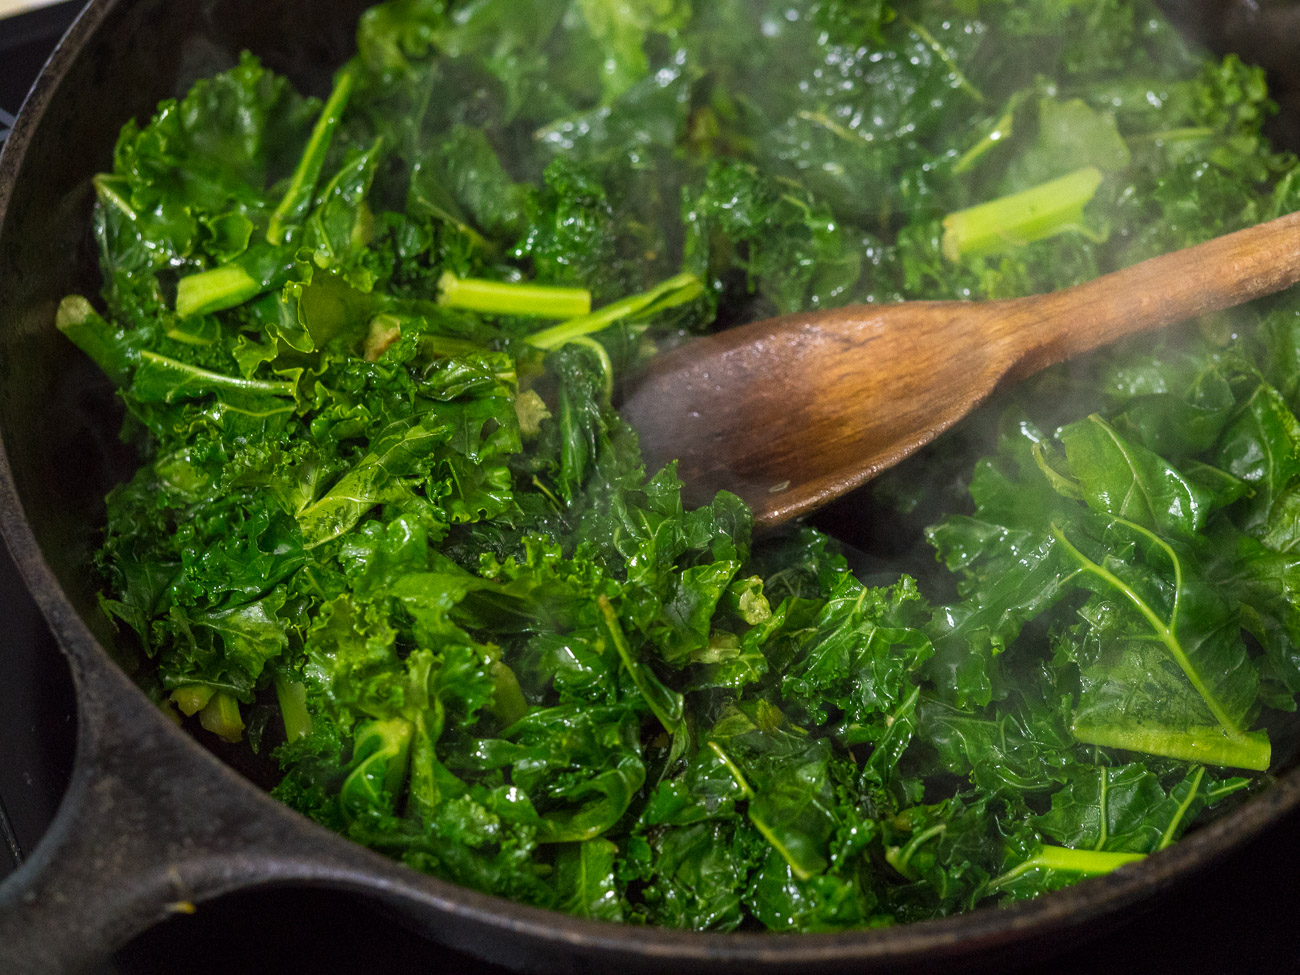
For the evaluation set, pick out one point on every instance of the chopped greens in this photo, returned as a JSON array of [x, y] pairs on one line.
[[389, 529]]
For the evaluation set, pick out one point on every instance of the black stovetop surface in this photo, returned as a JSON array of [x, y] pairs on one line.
[[1243, 916]]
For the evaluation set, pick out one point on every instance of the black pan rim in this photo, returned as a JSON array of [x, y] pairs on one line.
[[982, 930]]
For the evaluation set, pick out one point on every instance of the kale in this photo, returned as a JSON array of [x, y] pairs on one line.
[[370, 347]]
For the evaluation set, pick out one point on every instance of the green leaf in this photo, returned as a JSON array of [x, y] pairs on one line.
[[160, 379], [378, 768], [666, 704], [402, 451], [690, 607], [584, 876], [862, 659], [1119, 808], [1262, 447], [1000, 751], [788, 244], [1197, 630], [783, 900], [620, 28], [341, 225], [1070, 135], [1128, 481], [786, 775], [589, 776], [698, 876]]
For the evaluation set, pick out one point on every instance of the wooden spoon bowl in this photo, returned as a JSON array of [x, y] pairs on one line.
[[792, 412]]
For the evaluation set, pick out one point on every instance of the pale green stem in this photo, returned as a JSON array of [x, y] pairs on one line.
[[731, 767], [900, 859], [1011, 221], [192, 698], [292, 696], [302, 187], [675, 291], [221, 717], [1211, 745], [946, 57], [507, 298], [1002, 129], [216, 380], [1168, 836], [1104, 829], [215, 290], [1089, 863]]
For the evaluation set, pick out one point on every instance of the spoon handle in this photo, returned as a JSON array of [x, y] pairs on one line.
[[1217, 274]]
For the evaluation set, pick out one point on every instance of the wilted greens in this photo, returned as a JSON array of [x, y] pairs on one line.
[[389, 528]]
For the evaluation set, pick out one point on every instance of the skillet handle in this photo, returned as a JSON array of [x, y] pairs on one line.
[[152, 825]]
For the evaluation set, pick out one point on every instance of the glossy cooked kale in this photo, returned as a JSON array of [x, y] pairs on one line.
[[389, 527]]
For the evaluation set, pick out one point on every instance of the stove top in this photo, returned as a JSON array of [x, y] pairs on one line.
[[1238, 917]]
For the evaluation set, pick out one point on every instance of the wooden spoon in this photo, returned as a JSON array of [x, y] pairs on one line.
[[793, 412]]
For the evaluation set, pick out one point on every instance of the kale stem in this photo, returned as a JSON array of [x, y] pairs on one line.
[[1208, 744], [1065, 486], [93, 335], [1034, 214], [259, 269], [1173, 135], [292, 696], [675, 291], [215, 290], [666, 704], [302, 186], [1168, 836], [109, 196], [1103, 831], [550, 495], [766, 831], [946, 57], [1174, 560], [221, 717], [508, 701], [197, 378], [192, 698], [1000, 132], [834, 128], [1089, 863], [506, 298], [732, 768], [900, 859]]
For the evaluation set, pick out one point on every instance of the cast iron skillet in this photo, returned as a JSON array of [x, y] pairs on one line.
[[152, 823]]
